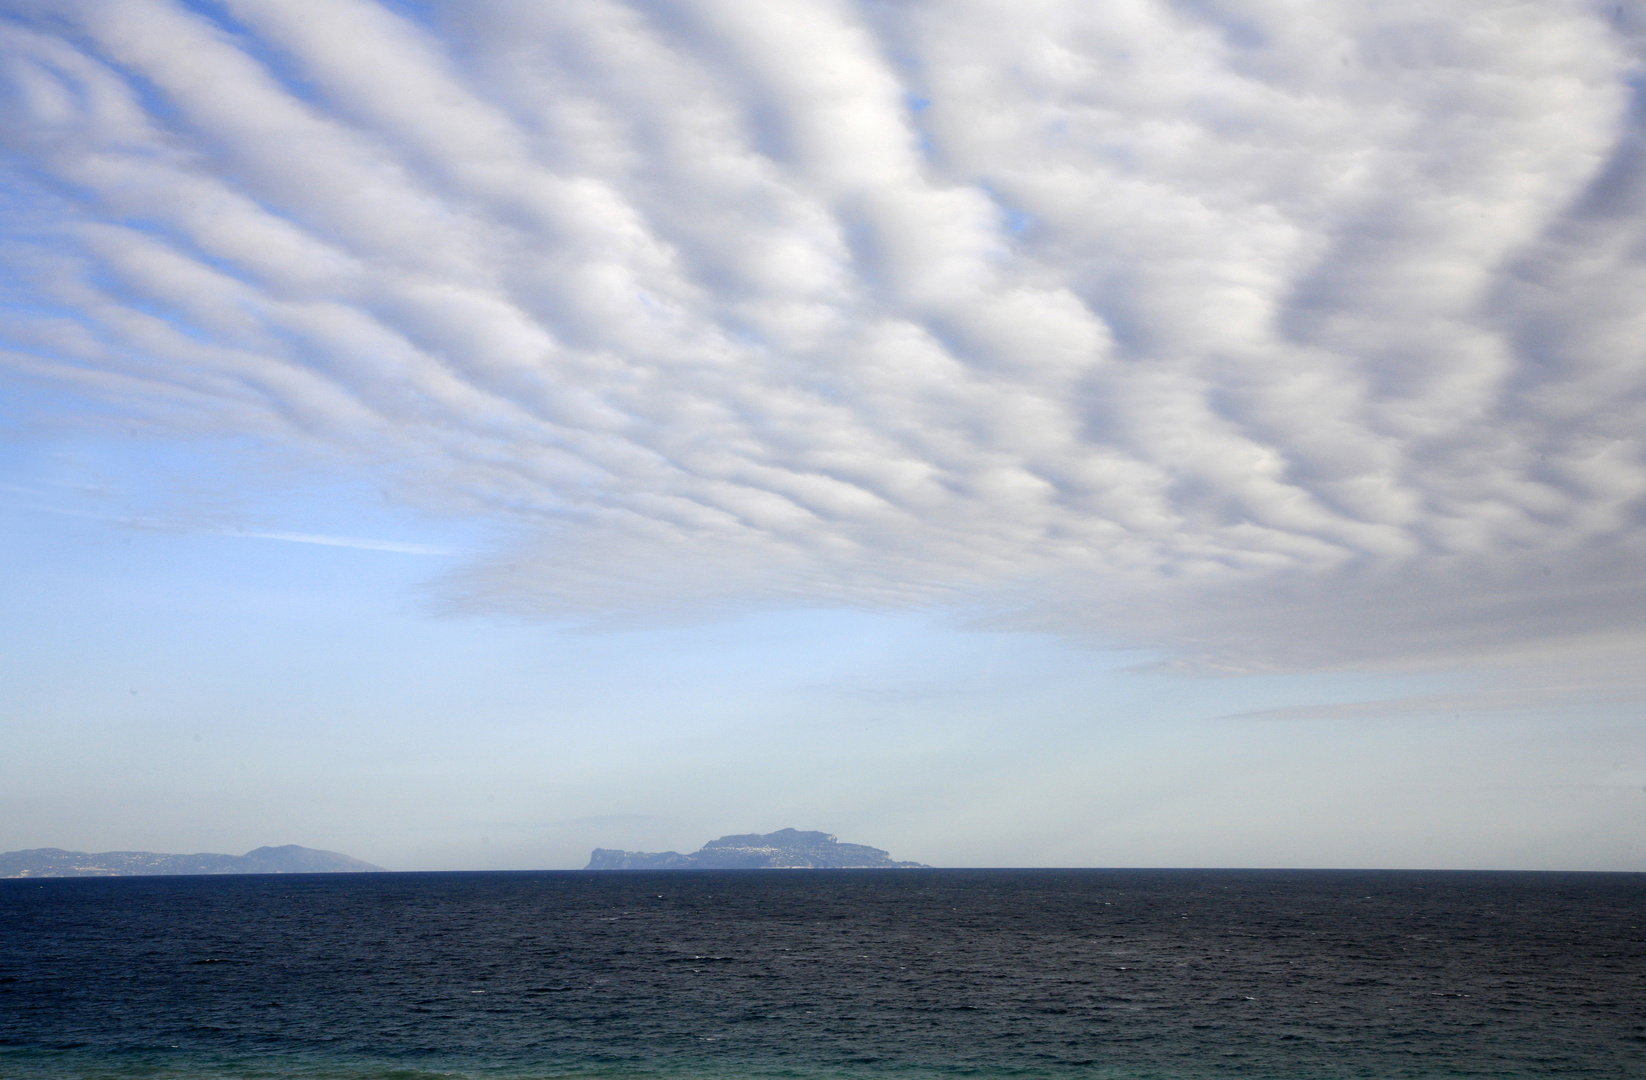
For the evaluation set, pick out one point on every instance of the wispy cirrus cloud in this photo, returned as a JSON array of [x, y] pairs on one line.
[[1456, 703], [1280, 337], [362, 543], [207, 528]]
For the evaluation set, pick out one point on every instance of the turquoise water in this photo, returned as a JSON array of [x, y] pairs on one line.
[[833, 975], [35, 1065]]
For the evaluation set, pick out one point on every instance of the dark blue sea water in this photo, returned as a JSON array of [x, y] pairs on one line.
[[837, 974]]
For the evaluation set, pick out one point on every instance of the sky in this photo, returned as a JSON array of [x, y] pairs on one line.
[[1145, 433]]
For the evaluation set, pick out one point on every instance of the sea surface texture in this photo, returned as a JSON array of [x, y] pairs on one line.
[[847, 973]]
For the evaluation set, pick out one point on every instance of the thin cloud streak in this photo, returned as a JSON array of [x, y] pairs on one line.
[[1522, 699], [360, 543], [154, 525], [1302, 341]]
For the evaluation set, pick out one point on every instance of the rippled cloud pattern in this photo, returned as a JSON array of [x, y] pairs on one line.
[[1265, 334]]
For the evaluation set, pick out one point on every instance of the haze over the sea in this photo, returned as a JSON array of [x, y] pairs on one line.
[[1146, 433]]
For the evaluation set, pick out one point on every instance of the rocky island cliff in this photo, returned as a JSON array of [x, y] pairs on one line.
[[287, 859], [786, 849]]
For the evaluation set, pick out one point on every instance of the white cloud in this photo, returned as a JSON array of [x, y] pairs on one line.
[[1294, 335], [362, 543], [404, 547]]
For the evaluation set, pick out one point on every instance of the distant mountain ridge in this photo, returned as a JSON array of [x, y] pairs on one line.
[[786, 849], [287, 859]]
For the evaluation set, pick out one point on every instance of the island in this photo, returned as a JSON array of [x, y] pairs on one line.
[[786, 849], [287, 859]]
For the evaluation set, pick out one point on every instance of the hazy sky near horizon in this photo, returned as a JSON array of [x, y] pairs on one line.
[[1048, 433]]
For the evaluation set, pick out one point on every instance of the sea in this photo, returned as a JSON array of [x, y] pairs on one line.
[[837, 974]]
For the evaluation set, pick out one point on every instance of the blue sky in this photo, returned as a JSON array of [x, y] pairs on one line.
[[466, 436]]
